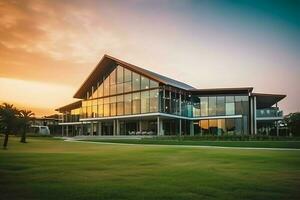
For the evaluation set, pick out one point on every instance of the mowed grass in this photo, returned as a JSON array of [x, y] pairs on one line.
[[54, 169], [255, 144]]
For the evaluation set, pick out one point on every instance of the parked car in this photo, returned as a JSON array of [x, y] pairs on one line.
[[41, 130]]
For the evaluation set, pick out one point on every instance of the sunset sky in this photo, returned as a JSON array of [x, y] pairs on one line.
[[48, 48]]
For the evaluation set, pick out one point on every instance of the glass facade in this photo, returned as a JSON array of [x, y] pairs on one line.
[[124, 92]]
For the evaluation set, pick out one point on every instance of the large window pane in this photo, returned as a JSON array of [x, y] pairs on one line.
[[212, 110], [127, 75], [113, 89], [221, 127], [145, 102], [144, 83], [204, 106], [127, 104], [213, 126], [153, 100], [220, 105], [100, 90], [106, 107], [127, 86], [112, 77], [230, 110], [136, 103], [113, 109], [106, 87], [238, 126], [120, 105], [136, 81], [120, 88], [204, 127], [153, 84], [120, 74], [230, 126], [100, 107]]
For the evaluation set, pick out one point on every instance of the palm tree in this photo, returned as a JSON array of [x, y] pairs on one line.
[[8, 120], [25, 117]]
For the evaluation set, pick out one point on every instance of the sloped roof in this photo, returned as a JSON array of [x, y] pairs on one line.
[[107, 63], [74, 105]]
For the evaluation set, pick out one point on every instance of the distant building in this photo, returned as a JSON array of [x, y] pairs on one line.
[[119, 98], [51, 121]]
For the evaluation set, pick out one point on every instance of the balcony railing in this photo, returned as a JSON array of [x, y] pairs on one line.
[[268, 112]]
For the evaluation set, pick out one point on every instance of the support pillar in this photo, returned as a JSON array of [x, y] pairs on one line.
[[254, 109], [277, 128], [118, 127], [99, 128], [92, 128], [81, 129], [62, 130], [180, 132], [67, 130], [192, 128], [114, 127], [140, 126]]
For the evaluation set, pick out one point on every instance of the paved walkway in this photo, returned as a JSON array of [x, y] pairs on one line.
[[182, 146]]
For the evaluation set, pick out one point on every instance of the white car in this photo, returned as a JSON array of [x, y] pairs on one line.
[[41, 130]]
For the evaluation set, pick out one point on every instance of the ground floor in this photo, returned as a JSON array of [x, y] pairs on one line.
[[158, 126]]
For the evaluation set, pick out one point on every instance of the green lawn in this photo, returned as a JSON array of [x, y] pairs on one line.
[[258, 144], [53, 169]]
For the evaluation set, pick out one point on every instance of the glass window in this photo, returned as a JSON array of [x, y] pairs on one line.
[[221, 127], [153, 84], [238, 126], [106, 107], [230, 126], [213, 126], [120, 105], [230, 110], [136, 103], [120, 88], [145, 102], [100, 107], [113, 89], [204, 106], [127, 104], [136, 81], [120, 75], [127, 75], [94, 108], [196, 107], [204, 127], [127, 86], [144, 83], [106, 87], [220, 105], [212, 110], [113, 109], [100, 90], [112, 77], [153, 100]]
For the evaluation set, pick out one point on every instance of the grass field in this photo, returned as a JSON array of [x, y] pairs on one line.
[[257, 144], [53, 169]]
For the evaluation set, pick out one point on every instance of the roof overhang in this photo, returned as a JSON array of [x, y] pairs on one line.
[[70, 106], [267, 100], [239, 90]]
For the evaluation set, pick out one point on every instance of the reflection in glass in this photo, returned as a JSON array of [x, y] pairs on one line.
[[220, 105], [204, 106], [136, 103], [106, 107], [145, 102], [136, 81], [120, 105], [212, 110], [144, 83], [113, 109], [153, 100], [120, 75], [127, 104], [153, 84]]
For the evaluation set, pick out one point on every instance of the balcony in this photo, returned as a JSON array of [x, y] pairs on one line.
[[269, 113]]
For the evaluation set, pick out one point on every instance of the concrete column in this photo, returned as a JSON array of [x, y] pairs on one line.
[[99, 128], [62, 130], [192, 128], [81, 127], [180, 131], [118, 127], [158, 126], [277, 128], [67, 130], [251, 116], [114, 127], [255, 122], [140, 126], [92, 128]]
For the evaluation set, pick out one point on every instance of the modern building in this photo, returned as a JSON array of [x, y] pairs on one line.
[[119, 98]]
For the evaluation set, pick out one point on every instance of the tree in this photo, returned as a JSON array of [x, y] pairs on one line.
[[25, 117], [8, 120], [293, 123]]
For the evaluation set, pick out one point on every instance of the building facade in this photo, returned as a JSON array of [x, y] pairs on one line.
[[119, 98]]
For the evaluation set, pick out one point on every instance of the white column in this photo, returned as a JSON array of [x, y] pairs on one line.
[[114, 127], [140, 126], [67, 130], [118, 127], [99, 128], [92, 128], [62, 130], [192, 128], [180, 132], [255, 122], [158, 126]]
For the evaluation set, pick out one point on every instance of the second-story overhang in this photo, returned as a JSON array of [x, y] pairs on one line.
[[267, 100], [219, 91]]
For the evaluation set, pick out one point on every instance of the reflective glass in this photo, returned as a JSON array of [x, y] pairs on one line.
[[204, 106], [212, 110], [144, 83], [153, 100], [120, 75], [136, 103], [220, 105], [127, 104], [145, 102]]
